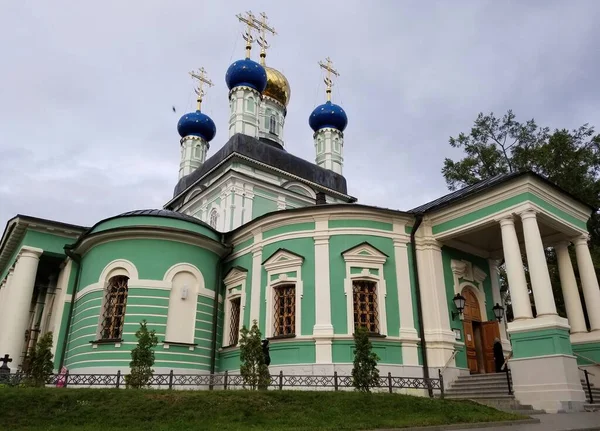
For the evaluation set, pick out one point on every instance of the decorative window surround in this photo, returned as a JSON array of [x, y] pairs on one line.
[[366, 257], [466, 275], [235, 287], [277, 266]]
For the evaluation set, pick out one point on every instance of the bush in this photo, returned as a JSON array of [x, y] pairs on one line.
[[253, 368], [40, 364], [365, 374], [142, 358]]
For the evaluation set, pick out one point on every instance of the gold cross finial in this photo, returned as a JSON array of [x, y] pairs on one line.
[[200, 75], [250, 22], [328, 81], [262, 40]]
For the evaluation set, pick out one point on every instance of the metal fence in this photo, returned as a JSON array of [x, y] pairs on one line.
[[231, 381]]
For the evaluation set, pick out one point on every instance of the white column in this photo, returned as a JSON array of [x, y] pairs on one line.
[[538, 268], [323, 329], [256, 280], [569, 288], [514, 270], [4, 307], [497, 297], [19, 302], [589, 282]]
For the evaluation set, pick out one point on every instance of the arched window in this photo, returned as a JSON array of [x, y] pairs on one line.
[[233, 105], [273, 125], [250, 104], [284, 310], [336, 145], [319, 145], [197, 151], [214, 218], [365, 305], [114, 308]]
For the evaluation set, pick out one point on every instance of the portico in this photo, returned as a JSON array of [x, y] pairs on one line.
[[512, 223]]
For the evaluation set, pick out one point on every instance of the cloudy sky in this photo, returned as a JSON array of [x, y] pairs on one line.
[[86, 89]]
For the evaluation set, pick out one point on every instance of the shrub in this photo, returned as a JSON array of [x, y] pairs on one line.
[[365, 374], [40, 364], [142, 358], [253, 369]]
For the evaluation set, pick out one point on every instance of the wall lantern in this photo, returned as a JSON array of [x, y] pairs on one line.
[[498, 312], [459, 303]]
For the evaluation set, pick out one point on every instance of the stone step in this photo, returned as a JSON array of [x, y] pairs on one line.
[[482, 385], [480, 380], [592, 407], [584, 383], [478, 396]]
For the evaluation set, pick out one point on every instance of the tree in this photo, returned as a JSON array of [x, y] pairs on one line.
[[40, 364], [365, 374], [253, 369], [570, 159], [142, 357]]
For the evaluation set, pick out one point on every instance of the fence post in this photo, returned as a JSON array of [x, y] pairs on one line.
[[118, 379], [280, 380], [589, 387], [441, 376], [335, 381], [66, 379], [390, 382], [225, 378], [509, 381], [171, 379]]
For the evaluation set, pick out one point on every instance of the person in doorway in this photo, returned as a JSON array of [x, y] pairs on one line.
[[498, 355]]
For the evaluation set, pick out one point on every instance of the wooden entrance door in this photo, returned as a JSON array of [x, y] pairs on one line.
[[471, 314], [489, 332]]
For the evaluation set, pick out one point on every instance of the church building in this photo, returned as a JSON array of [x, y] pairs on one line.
[[254, 233]]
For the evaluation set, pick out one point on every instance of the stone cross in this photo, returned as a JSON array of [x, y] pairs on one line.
[[4, 367]]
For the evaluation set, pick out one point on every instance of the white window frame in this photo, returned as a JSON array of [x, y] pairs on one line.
[[366, 257], [235, 287], [281, 262], [214, 213]]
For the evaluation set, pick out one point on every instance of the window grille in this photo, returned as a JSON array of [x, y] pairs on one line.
[[284, 319], [366, 313], [114, 308], [234, 322]]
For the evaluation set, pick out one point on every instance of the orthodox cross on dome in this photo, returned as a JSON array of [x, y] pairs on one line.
[[250, 22], [262, 40], [330, 71], [200, 75]]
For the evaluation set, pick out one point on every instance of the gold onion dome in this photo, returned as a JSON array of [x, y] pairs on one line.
[[278, 86]]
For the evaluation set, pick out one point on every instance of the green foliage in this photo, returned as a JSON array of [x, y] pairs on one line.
[[365, 374], [142, 358], [253, 368], [40, 364], [83, 409], [570, 159]]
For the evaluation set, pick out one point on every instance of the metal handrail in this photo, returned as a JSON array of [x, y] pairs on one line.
[[448, 362], [504, 365]]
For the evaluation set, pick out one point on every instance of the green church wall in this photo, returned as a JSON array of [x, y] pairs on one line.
[[244, 261], [262, 205], [242, 245], [304, 247], [337, 273], [296, 227], [137, 221], [335, 224], [152, 258], [589, 353], [461, 357], [389, 352], [502, 205]]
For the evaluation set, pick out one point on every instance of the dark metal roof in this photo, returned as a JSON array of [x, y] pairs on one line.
[[484, 185], [164, 213], [268, 154]]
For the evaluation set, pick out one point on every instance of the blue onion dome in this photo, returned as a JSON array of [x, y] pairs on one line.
[[248, 73], [328, 115], [197, 124]]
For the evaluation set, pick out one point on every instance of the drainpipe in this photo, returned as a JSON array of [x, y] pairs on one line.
[[418, 221], [215, 317], [76, 258]]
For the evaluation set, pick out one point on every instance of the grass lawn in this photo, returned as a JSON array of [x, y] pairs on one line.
[[153, 410]]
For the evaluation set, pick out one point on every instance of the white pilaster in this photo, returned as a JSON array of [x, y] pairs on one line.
[[19, 302], [538, 268], [497, 296], [589, 282], [323, 329], [244, 104], [515, 273], [436, 320], [408, 333], [256, 279], [5, 307], [569, 288]]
